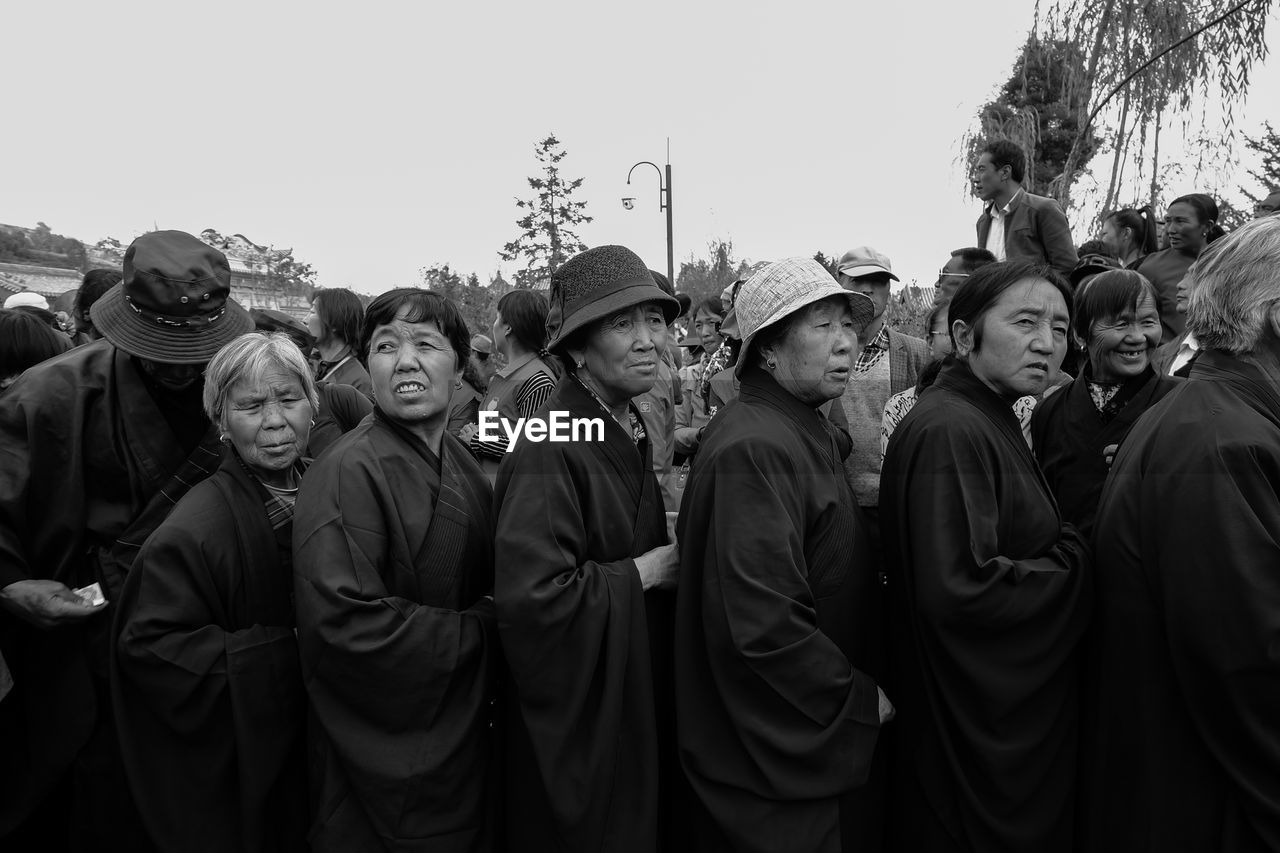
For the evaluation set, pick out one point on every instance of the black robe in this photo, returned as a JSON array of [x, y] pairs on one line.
[[989, 594], [1069, 434], [593, 744], [88, 468], [392, 564], [206, 684], [1181, 741], [776, 622]]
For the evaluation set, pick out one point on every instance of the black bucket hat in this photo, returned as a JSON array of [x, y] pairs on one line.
[[174, 305], [596, 283]]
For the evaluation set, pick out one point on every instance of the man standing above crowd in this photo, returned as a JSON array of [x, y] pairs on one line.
[[96, 446], [1016, 225]]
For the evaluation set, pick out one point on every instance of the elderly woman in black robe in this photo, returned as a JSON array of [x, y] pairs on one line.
[[393, 566], [1076, 430], [988, 587], [776, 622], [585, 580], [205, 680]]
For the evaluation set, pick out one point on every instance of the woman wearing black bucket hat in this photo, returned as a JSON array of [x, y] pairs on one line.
[[585, 579]]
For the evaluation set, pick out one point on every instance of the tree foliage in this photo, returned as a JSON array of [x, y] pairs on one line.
[[548, 235], [477, 302], [1038, 109], [1146, 62], [39, 246], [1267, 175], [704, 277]]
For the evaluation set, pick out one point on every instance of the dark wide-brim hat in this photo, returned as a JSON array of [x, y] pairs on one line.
[[596, 283], [174, 305]]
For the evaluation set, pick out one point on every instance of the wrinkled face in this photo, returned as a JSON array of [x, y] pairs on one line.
[[1120, 347], [950, 277], [988, 180], [875, 286], [620, 355], [269, 423], [939, 337], [173, 377], [706, 325], [1186, 232], [1024, 339], [413, 369], [814, 358]]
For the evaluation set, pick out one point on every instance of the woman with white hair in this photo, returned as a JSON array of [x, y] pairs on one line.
[[206, 683]]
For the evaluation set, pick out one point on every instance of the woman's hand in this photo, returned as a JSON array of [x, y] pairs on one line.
[[658, 568]]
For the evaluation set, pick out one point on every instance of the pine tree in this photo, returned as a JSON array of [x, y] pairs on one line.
[[547, 228]]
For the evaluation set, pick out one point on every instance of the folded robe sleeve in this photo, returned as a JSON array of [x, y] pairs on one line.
[[1221, 598], [805, 716], [400, 688]]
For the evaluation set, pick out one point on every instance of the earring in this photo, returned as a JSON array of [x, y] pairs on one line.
[[222, 437], [457, 384], [580, 363], [771, 363]]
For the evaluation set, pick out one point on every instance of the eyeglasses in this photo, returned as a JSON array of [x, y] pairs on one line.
[[944, 274], [933, 335]]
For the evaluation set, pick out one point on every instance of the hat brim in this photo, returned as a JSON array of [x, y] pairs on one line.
[[625, 297], [867, 269], [863, 309], [129, 332]]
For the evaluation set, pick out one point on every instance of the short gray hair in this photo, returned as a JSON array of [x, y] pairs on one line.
[[1232, 287], [249, 358]]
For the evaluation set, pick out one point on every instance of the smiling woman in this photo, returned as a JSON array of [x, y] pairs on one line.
[[987, 587], [1117, 318], [393, 566]]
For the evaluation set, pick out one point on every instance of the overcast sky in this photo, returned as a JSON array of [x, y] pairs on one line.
[[378, 138]]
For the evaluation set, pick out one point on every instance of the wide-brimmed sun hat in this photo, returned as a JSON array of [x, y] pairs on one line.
[[783, 288], [174, 305], [596, 283]]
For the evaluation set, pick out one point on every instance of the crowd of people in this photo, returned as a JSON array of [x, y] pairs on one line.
[[815, 585]]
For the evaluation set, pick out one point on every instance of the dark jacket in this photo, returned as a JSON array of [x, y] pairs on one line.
[[1036, 230], [776, 623], [593, 745], [88, 469], [206, 683], [392, 563], [1069, 435], [1181, 743], [990, 596]]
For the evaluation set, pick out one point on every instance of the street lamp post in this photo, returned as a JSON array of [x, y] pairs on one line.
[[664, 203]]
